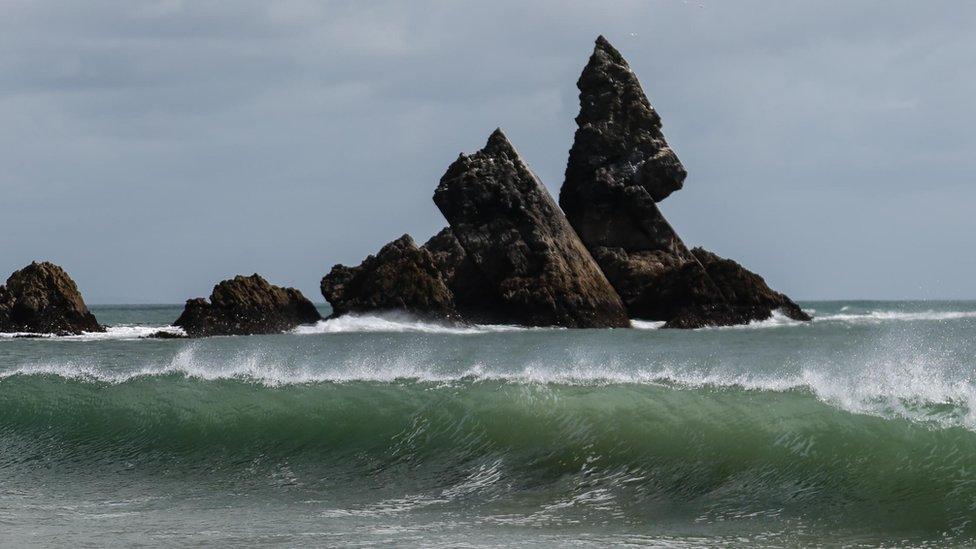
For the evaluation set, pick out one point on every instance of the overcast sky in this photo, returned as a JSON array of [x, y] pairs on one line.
[[155, 148]]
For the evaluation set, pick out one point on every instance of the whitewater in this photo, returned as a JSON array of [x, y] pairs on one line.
[[857, 428]]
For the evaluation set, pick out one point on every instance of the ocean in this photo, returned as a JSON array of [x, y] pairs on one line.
[[858, 428]]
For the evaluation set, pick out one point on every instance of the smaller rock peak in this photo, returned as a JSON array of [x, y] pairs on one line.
[[499, 145], [405, 240], [498, 139], [606, 48]]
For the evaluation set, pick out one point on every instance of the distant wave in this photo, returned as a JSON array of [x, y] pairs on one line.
[[111, 332], [883, 316], [777, 320], [392, 322], [399, 322]]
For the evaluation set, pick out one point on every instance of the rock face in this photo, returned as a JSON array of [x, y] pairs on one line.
[[535, 269], [400, 277], [460, 274], [746, 291], [42, 298], [619, 167], [246, 305], [620, 163]]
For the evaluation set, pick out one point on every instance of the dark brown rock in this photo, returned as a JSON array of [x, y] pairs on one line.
[[460, 274], [535, 269], [42, 298], [162, 334], [658, 284], [246, 305], [619, 167], [746, 291], [620, 164], [400, 277]]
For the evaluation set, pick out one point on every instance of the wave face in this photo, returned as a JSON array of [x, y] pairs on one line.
[[360, 432]]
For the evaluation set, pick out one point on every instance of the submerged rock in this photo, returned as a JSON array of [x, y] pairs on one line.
[[246, 305], [400, 277], [619, 167], [534, 269], [42, 298], [163, 334]]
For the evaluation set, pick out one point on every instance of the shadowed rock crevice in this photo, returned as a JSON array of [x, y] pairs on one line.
[[461, 275], [41, 298], [246, 305]]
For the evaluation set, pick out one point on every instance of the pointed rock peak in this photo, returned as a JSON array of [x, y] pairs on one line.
[[618, 142], [404, 242], [609, 53], [498, 144]]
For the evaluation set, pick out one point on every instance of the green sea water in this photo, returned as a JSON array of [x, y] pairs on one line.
[[856, 429]]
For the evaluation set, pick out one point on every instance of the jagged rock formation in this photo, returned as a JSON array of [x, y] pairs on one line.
[[510, 255], [41, 298], [400, 277], [620, 165], [536, 270], [246, 305]]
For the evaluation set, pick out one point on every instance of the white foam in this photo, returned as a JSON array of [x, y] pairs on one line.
[[111, 332], [918, 385], [398, 322], [646, 324], [876, 317], [777, 320]]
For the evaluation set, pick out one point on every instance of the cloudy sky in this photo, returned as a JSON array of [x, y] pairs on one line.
[[154, 148]]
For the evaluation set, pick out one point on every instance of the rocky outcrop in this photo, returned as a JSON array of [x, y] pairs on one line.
[[619, 167], [535, 269], [400, 277], [41, 298], [745, 290], [510, 255], [246, 305]]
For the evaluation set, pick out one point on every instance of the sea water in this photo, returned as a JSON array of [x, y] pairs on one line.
[[857, 428]]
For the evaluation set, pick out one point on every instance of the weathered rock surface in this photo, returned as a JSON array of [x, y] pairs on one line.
[[401, 277], [658, 284], [745, 290], [460, 274], [246, 305], [620, 164], [619, 167], [534, 267], [42, 298]]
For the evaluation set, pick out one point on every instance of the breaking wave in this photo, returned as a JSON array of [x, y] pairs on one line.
[[720, 444], [111, 332], [392, 322]]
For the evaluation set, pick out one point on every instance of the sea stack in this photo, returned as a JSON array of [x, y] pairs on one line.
[[246, 305], [536, 270], [400, 277], [41, 298], [619, 167]]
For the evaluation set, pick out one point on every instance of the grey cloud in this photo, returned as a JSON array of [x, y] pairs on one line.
[[153, 148]]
